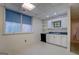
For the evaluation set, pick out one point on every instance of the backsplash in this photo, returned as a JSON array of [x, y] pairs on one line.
[[58, 30]]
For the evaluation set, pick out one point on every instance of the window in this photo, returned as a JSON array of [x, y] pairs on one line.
[[57, 24], [14, 22], [26, 23]]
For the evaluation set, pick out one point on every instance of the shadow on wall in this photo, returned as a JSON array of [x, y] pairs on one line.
[[2, 53]]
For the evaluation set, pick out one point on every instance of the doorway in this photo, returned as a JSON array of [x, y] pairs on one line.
[[75, 28]]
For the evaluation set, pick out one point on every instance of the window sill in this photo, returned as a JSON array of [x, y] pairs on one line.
[[17, 33]]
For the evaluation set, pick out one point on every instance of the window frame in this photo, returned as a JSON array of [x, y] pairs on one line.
[[57, 24], [4, 24]]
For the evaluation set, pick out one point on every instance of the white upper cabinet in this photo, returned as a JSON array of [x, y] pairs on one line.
[[64, 22]]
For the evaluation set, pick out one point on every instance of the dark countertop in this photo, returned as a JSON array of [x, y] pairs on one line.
[[58, 33]]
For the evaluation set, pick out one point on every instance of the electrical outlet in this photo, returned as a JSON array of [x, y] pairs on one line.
[[25, 41]]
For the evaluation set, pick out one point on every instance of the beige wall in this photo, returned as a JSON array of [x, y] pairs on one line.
[[1, 17], [75, 28], [14, 43], [2, 40]]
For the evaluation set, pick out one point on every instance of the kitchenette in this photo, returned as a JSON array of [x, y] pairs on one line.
[[55, 30]]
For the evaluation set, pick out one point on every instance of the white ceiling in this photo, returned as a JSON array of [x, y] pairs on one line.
[[42, 10]]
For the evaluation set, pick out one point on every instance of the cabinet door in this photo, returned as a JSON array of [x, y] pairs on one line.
[[64, 40], [53, 39], [58, 39], [64, 22], [50, 38]]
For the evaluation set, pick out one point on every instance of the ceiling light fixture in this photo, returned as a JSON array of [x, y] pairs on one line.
[[47, 16], [55, 13], [28, 6]]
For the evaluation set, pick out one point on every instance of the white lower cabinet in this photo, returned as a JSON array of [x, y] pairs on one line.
[[50, 38], [53, 39], [57, 39], [64, 40]]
